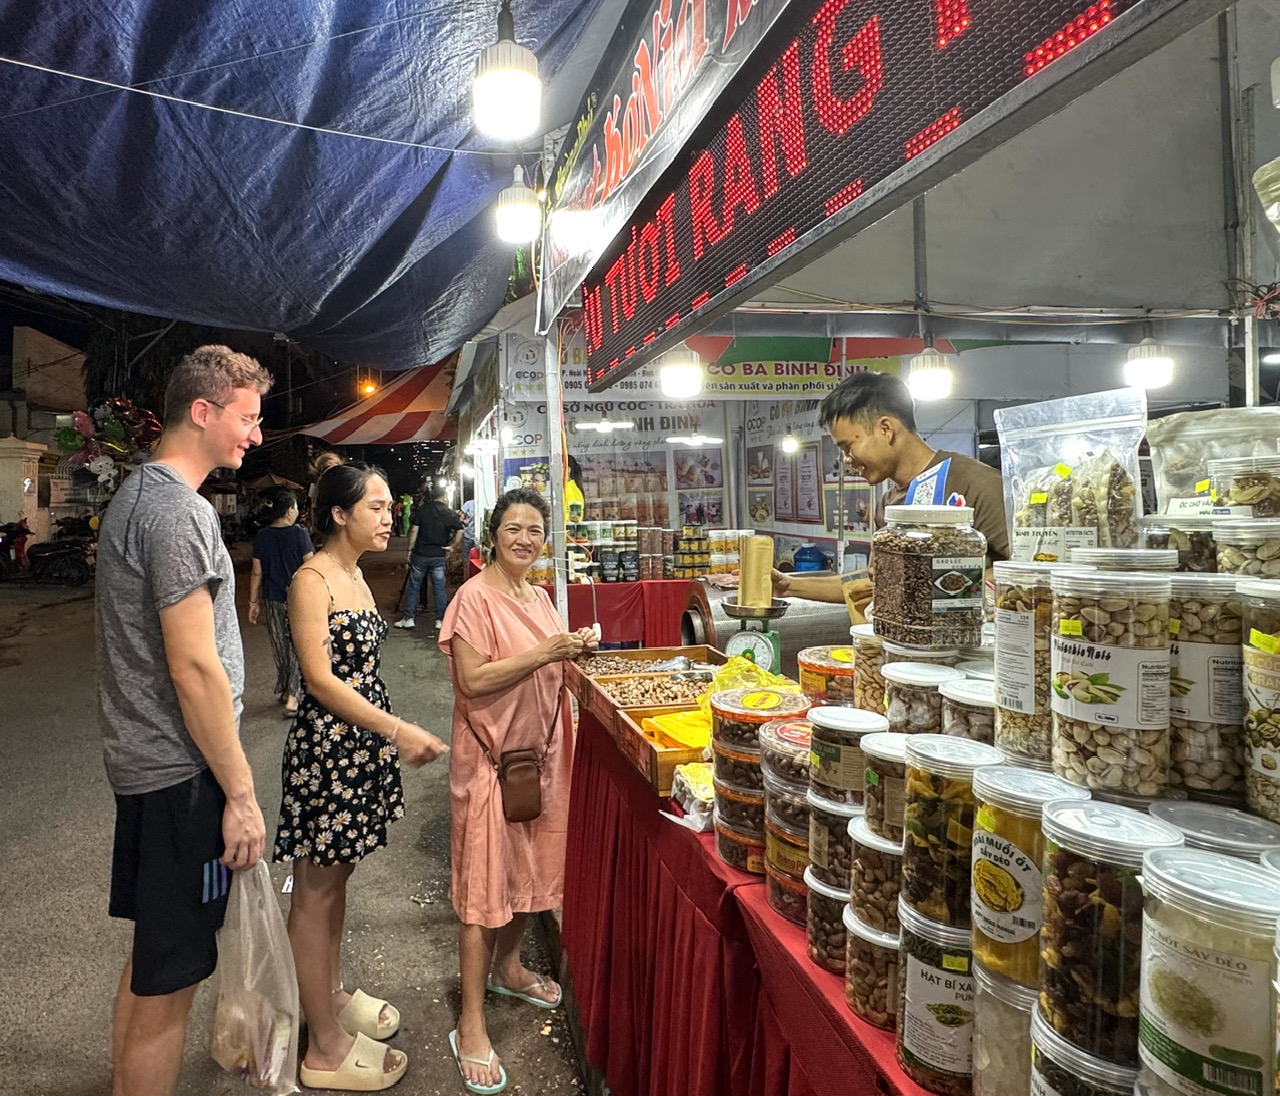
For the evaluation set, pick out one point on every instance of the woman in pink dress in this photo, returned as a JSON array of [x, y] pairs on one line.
[[506, 647]]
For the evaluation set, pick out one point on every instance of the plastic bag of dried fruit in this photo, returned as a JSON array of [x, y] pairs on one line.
[[1071, 472], [742, 673], [1183, 444]]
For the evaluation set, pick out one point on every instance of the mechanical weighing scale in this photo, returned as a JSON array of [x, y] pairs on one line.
[[759, 644]]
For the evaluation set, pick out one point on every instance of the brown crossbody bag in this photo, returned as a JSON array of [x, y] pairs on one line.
[[520, 774]]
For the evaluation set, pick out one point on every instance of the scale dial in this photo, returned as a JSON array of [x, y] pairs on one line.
[[753, 645]]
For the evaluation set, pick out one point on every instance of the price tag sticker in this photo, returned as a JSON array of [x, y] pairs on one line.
[[1202, 487], [1263, 641], [1064, 470], [1175, 626], [1070, 627], [1039, 498]]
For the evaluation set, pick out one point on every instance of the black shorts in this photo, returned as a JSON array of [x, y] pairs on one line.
[[165, 877]]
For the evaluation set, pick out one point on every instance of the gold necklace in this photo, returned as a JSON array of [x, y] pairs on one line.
[[353, 572]]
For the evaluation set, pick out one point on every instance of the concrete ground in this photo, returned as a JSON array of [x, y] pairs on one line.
[[61, 955]]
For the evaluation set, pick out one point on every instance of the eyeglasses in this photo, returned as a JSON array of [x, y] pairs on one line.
[[251, 421]]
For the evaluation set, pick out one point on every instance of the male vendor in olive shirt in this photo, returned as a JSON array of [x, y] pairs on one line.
[[871, 418]]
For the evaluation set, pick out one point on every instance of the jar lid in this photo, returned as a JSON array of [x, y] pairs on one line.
[[863, 931], [738, 791], [942, 935], [860, 832], [1219, 829], [922, 652], [976, 692], [929, 515], [748, 755], [978, 670], [1027, 573], [1186, 584], [948, 756], [777, 788], [1127, 559], [1259, 587], [1106, 831], [786, 735], [1022, 791], [919, 673], [1118, 583], [1226, 466], [845, 720], [831, 806], [1217, 887], [754, 704], [1245, 530], [1023, 998], [1271, 860], [887, 746], [837, 658], [865, 633], [1071, 1059], [1132, 800], [826, 890], [1190, 522]]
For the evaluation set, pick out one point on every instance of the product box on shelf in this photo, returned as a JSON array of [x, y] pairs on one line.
[[654, 761]]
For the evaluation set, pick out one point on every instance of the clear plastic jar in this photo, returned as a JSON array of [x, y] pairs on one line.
[[1248, 547], [912, 701], [742, 808], [738, 714], [928, 585], [875, 883], [830, 849], [744, 851], [784, 751], [1090, 942], [1206, 690], [1246, 486], [1110, 680], [935, 1005], [836, 767], [898, 652], [1001, 1034], [886, 782], [938, 814], [1261, 602], [1060, 1069], [737, 765], [1125, 559], [826, 674], [786, 802], [824, 924], [1207, 975], [870, 973], [1008, 856], [869, 656], [1024, 612], [978, 669], [786, 848], [1190, 535], [969, 709], [790, 897], [1223, 830]]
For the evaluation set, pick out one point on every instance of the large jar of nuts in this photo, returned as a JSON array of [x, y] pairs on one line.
[[1008, 853], [871, 973], [1246, 486], [830, 850], [1248, 547], [826, 674], [938, 815], [738, 714], [876, 880], [1001, 1034], [912, 701], [968, 709], [1190, 535], [1206, 690], [928, 585], [1060, 1069], [825, 923], [1110, 680], [1125, 559], [784, 751], [886, 784], [1262, 696], [868, 685], [935, 1005], [1091, 942], [835, 761]]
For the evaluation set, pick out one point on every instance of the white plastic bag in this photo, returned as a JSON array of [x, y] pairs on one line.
[[1183, 444], [255, 1024], [1071, 473]]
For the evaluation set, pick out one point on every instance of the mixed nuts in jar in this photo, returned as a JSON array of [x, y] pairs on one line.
[[785, 802], [784, 751], [1261, 601], [1190, 535], [875, 882], [968, 709], [1060, 1069], [1246, 486], [886, 776], [912, 701], [836, 765]]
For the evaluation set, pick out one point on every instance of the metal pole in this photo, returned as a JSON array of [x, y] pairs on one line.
[[1252, 381], [555, 435]]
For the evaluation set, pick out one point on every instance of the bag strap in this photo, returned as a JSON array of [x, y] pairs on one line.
[[546, 747]]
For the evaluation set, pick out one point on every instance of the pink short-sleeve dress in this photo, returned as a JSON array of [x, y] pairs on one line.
[[502, 868]]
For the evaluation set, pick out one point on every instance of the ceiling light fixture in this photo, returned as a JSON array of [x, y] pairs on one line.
[[517, 214], [929, 373], [1271, 358], [790, 444], [1149, 364], [506, 95], [680, 374], [507, 435], [694, 440], [605, 426]]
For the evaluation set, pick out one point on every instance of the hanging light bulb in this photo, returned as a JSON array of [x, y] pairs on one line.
[[516, 213], [507, 435], [506, 95], [1149, 365], [929, 374], [680, 374], [790, 444]]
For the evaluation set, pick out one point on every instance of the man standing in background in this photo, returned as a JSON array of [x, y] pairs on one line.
[[434, 531]]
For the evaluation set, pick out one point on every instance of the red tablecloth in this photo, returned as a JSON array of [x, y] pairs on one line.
[[687, 983], [647, 612]]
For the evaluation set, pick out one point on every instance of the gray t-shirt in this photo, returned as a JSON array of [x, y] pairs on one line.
[[159, 541]]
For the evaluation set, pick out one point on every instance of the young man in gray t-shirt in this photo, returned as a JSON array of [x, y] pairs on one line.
[[170, 678]]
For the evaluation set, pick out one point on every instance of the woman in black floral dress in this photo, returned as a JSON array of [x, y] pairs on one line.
[[341, 775]]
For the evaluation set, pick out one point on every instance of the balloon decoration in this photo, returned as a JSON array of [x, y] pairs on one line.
[[116, 434]]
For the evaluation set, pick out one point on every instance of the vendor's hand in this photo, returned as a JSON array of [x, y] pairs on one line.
[[417, 747], [561, 647], [254, 610], [781, 583], [858, 594]]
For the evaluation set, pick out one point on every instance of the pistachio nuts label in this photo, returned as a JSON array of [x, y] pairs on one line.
[[938, 1025], [1006, 894], [1205, 682], [1111, 686]]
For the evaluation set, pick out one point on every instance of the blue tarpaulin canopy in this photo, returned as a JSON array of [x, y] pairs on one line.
[[375, 251]]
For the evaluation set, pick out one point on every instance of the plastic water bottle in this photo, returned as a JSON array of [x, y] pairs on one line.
[[809, 558]]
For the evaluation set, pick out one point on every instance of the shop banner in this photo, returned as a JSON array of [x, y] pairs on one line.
[[667, 64]]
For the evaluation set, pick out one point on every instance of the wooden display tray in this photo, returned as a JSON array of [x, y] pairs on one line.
[[655, 762], [583, 687]]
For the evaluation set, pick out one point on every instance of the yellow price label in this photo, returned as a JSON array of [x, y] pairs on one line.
[[1202, 486], [1039, 498], [1175, 626], [1064, 470], [986, 818], [761, 701], [1070, 627], [842, 654], [1263, 641], [955, 962]]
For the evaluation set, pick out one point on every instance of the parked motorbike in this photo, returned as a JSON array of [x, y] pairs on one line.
[[65, 562]]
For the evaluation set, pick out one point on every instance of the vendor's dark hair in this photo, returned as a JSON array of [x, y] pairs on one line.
[[521, 496], [342, 486], [575, 471], [865, 397], [275, 502]]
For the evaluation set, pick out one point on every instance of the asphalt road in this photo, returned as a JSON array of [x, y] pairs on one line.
[[61, 955]]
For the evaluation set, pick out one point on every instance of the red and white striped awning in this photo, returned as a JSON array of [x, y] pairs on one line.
[[410, 408]]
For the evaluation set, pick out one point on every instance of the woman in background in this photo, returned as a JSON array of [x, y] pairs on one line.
[[279, 549]]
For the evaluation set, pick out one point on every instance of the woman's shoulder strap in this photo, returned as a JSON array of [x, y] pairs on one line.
[[308, 567]]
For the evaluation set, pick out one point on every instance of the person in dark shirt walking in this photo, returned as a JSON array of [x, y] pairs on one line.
[[279, 549], [435, 529]]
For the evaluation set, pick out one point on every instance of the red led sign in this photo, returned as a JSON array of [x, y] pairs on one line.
[[842, 94]]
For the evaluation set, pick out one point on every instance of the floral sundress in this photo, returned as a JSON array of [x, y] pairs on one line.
[[341, 782]]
